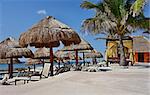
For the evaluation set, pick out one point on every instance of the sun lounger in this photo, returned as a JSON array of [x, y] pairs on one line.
[[6, 80], [44, 73], [61, 70]]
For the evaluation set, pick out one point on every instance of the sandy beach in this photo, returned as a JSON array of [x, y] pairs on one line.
[[132, 81]]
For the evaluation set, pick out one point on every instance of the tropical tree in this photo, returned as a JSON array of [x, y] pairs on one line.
[[116, 18]]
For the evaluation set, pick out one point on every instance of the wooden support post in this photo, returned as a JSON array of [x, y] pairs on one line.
[[76, 51], [11, 68], [59, 63], [51, 61], [34, 67], [43, 62], [83, 59]]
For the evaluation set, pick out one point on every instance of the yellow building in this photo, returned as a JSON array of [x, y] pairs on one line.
[[137, 49], [112, 52]]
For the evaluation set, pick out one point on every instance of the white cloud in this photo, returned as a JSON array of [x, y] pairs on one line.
[[41, 12]]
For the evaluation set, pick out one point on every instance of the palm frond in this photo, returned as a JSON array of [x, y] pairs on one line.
[[128, 4], [139, 22], [99, 24], [137, 7], [88, 5], [116, 7]]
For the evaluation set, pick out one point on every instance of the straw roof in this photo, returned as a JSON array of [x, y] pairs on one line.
[[6, 44], [83, 45], [60, 54], [31, 61], [3, 52], [19, 53], [15, 60], [66, 55], [9, 42], [42, 53], [141, 44], [72, 56], [48, 32], [94, 54]]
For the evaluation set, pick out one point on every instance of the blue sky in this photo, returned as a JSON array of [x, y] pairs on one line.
[[16, 16]]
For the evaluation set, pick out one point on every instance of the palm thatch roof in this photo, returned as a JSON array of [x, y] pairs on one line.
[[15, 60], [60, 54], [141, 44], [72, 56], [19, 53], [31, 61], [42, 53], [9, 42], [3, 52], [47, 33], [83, 45], [94, 54], [5, 46], [66, 55]]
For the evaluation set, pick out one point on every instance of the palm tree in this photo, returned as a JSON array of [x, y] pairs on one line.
[[116, 18]]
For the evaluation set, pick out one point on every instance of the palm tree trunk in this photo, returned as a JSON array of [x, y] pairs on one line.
[[122, 53]]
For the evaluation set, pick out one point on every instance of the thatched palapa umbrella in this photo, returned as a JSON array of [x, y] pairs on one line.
[[33, 62], [42, 53], [17, 53], [9, 42], [72, 56], [65, 55], [5, 46], [4, 61], [94, 54], [83, 47], [60, 56], [3, 52], [48, 33]]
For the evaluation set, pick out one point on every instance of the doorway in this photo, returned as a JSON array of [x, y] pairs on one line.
[[140, 57]]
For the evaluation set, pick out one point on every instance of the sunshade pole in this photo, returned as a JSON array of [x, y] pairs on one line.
[[34, 67], [43, 62], [83, 58], [95, 60], [11, 68], [76, 51], [51, 61], [59, 63]]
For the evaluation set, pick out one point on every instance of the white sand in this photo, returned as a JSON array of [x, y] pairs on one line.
[[131, 81]]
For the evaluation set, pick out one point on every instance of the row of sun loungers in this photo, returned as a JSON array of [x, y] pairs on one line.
[[26, 79], [36, 76]]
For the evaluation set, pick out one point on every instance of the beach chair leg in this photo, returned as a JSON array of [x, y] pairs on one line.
[[24, 81], [15, 82]]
